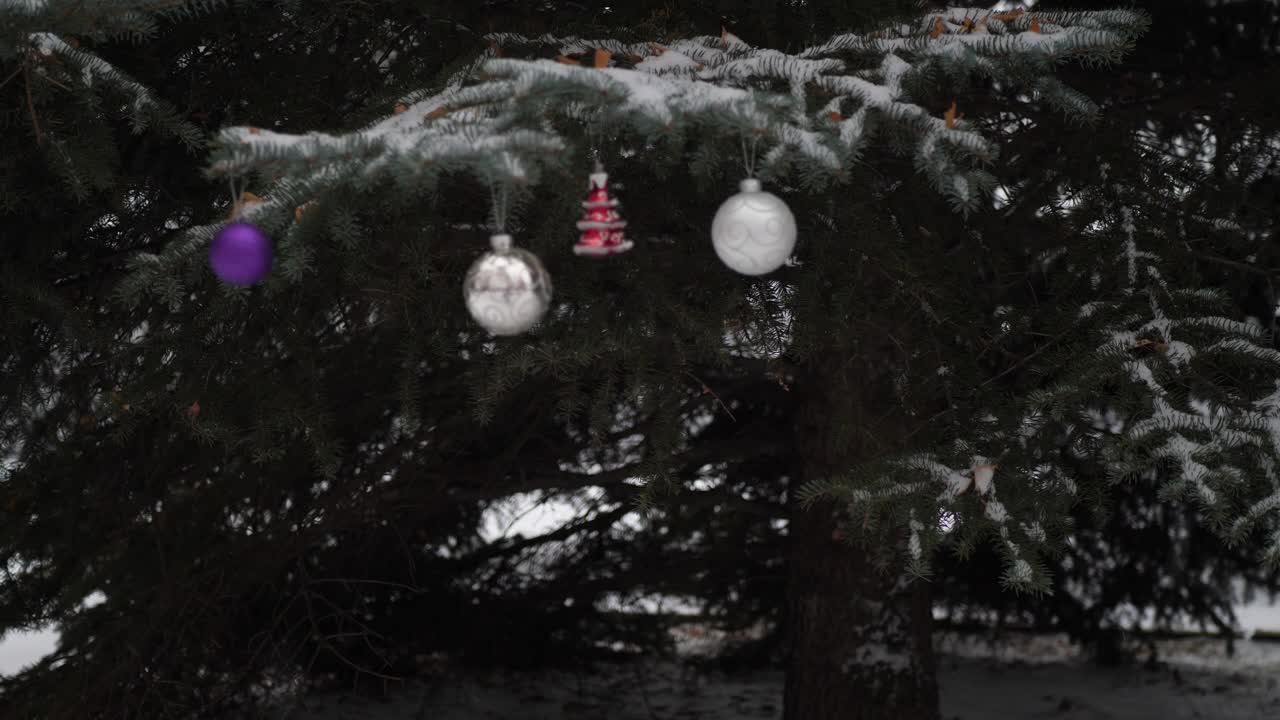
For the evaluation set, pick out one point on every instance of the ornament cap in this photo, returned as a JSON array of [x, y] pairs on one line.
[[750, 185], [501, 242]]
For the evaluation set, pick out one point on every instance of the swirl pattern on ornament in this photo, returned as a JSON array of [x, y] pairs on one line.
[[507, 292], [754, 232]]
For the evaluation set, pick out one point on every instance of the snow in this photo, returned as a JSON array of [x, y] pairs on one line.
[[92, 67], [871, 94], [475, 125], [46, 43], [1021, 572], [913, 544], [1180, 353], [1021, 679], [878, 655], [1052, 41], [894, 68], [771, 63], [645, 93], [983, 473], [1024, 677], [1088, 309], [1141, 373], [25, 6], [20, 649], [667, 61]]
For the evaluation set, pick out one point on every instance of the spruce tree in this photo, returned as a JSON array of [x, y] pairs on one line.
[[1189, 105], [871, 657], [326, 401]]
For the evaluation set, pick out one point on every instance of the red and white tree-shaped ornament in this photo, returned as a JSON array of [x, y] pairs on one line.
[[601, 225]]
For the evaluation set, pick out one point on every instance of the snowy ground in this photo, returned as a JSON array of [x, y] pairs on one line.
[[19, 649], [1024, 678], [1030, 679]]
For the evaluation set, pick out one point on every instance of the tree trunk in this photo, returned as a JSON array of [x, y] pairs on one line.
[[860, 637]]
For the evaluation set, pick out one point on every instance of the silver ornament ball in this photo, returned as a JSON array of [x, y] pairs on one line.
[[754, 231], [507, 290]]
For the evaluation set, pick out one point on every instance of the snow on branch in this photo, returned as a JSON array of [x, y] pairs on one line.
[[1213, 450], [41, 35], [23, 7], [379, 150], [987, 32], [977, 478], [1170, 414], [107, 11], [771, 64], [500, 105], [134, 19], [93, 69], [145, 109]]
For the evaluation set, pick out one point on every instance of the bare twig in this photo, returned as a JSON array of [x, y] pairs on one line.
[[323, 639], [1234, 264], [1028, 358], [706, 389], [31, 105], [12, 75], [362, 581]]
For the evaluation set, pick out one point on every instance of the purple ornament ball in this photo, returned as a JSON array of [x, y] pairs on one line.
[[240, 254]]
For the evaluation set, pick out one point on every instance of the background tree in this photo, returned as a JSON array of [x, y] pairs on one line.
[[1207, 145], [369, 292]]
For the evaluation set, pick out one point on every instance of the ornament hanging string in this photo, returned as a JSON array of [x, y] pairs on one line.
[[237, 204], [749, 155], [593, 142], [501, 204]]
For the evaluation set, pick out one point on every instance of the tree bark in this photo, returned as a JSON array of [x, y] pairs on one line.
[[860, 645]]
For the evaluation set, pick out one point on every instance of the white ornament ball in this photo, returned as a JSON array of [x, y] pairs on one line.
[[507, 290], [754, 231]]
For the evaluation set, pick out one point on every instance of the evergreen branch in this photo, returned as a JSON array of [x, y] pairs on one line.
[[688, 87], [144, 105]]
